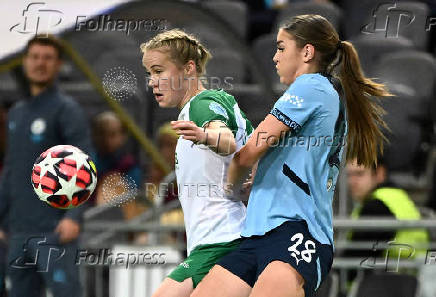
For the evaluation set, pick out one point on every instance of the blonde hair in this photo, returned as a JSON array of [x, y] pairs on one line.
[[182, 48]]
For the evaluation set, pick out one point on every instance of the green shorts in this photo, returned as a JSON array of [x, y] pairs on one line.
[[201, 260]]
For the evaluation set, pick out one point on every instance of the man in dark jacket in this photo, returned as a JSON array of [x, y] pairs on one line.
[[42, 239]]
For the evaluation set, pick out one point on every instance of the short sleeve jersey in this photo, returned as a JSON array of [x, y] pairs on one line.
[[296, 178], [210, 216]]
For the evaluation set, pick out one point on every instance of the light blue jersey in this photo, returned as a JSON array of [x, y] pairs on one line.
[[296, 179]]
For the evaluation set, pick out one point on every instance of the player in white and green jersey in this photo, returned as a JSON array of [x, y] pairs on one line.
[[211, 128]]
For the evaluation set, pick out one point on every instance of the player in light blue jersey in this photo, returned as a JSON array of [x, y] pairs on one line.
[[288, 233]]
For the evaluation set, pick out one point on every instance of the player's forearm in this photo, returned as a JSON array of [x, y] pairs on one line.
[[221, 142], [237, 171]]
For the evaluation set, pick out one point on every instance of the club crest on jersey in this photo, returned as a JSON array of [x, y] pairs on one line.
[[293, 99], [218, 109], [38, 126]]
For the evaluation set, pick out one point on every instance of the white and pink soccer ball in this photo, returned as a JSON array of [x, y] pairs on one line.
[[64, 176]]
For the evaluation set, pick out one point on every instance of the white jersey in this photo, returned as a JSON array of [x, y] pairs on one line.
[[210, 216]]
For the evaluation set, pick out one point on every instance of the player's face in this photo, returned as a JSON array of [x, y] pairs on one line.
[[166, 78], [361, 181], [41, 64], [288, 57]]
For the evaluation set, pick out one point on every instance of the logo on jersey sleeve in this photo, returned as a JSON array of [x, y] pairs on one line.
[[293, 99], [218, 109], [185, 264]]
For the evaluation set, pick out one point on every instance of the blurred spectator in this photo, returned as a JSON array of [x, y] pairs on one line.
[[166, 143], [118, 169], [277, 4], [37, 230], [375, 196], [431, 202], [263, 13], [261, 18], [4, 107], [3, 263]]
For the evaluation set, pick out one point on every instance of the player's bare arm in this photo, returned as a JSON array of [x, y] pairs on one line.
[[215, 134], [266, 134]]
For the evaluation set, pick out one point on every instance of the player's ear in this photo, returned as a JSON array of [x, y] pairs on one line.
[[308, 52], [189, 68]]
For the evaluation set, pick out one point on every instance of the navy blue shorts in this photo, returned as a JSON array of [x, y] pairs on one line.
[[291, 243]]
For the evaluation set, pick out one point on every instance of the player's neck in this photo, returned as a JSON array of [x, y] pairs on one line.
[[193, 90]]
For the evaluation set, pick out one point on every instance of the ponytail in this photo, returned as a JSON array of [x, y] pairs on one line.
[[365, 117]]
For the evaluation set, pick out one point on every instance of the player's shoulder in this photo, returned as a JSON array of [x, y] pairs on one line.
[[219, 96], [311, 87], [217, 101]]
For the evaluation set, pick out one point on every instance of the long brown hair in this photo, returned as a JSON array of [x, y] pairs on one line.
[[364, 116]]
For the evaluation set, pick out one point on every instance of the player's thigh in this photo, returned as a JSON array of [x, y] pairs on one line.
[[172, 288], [279, 279], [220, 282]]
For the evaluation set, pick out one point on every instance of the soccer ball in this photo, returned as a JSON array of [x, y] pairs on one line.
[[64, 176]]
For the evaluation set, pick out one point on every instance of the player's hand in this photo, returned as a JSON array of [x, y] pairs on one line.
[[68, 230], [190, 131], [246, 186]]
